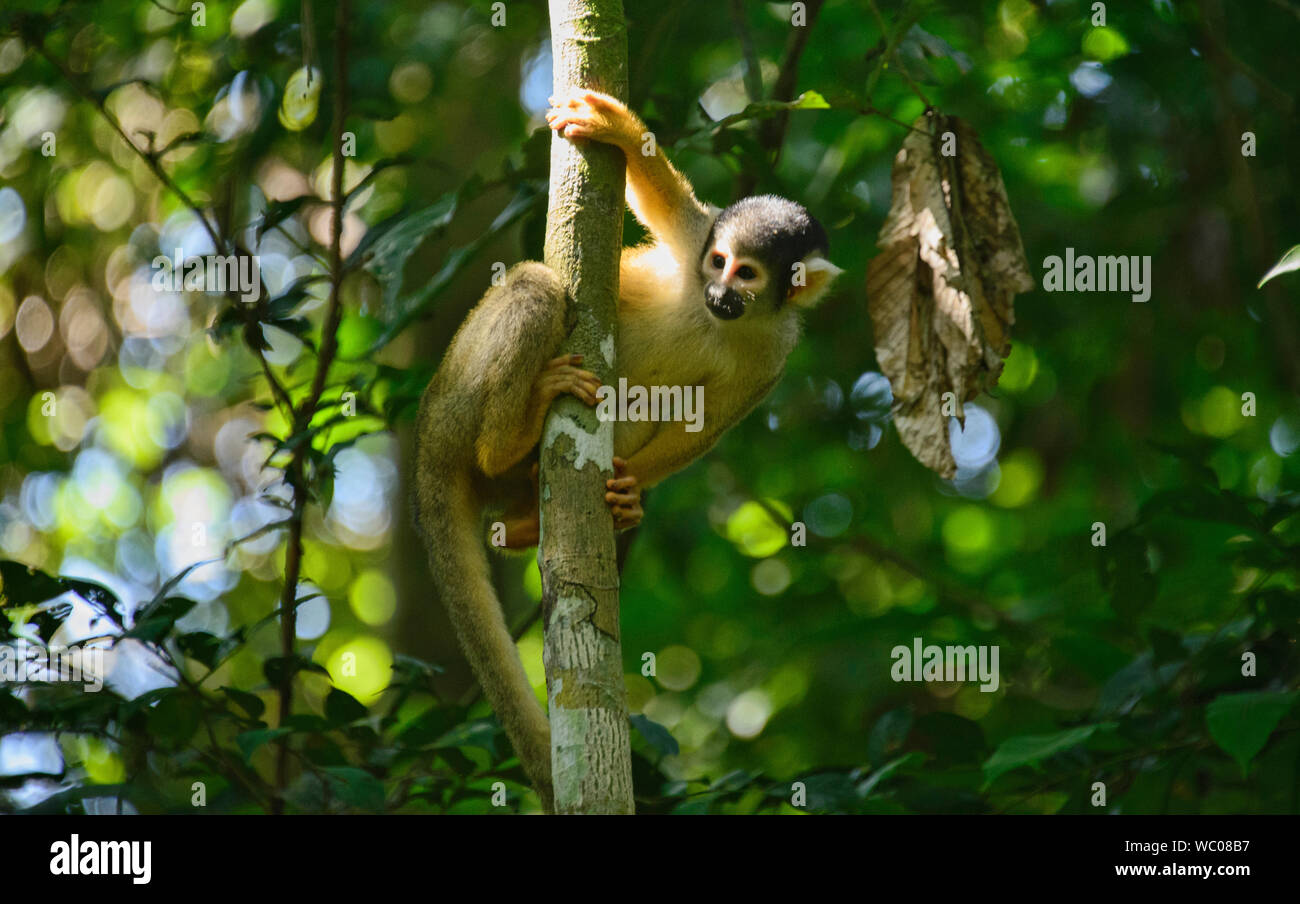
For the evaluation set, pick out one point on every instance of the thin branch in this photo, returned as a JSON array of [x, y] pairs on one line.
[[296, 473], [150, 160], [154, 162], [891, 45], [771, 132], [308, 28], [892, 56], [772, 135], [753, 74], [869, 110]]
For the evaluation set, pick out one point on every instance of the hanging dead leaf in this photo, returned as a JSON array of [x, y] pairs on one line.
[[940, 292]]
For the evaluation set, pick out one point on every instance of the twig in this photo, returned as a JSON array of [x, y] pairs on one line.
[[771, 132], [296, 473], [874, 111], [753, 74], [154, 162], [891, 56], [891, 45]]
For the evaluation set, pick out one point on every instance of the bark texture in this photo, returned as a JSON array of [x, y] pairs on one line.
[[590, 753]]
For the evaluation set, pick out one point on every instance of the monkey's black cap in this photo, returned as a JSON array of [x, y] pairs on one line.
[[772, 228]]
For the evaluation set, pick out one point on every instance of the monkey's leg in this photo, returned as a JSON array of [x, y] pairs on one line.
[[500, 448], [522, 519]]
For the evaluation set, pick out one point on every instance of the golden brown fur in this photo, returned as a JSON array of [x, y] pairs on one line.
[[482, 414]]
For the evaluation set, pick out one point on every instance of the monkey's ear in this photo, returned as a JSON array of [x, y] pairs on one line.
[[817, 275]]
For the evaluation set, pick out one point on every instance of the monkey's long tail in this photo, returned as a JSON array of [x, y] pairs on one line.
[[461, 571]]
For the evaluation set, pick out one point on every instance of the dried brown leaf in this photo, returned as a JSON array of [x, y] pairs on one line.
[[940, 292]]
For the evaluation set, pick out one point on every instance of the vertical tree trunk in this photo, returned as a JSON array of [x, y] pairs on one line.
[[590, 754]]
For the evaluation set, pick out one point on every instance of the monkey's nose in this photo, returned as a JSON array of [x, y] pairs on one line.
[[723, 304]]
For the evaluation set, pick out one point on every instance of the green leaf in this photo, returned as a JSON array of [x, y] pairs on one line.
[[1031, 750], [398, 238], [1241, 723], [1288, 262], [479, 733], [409, 669], [278, 211], [414, 305], [1166, 646], [307, 723], [279, 669], [888, 770], [738, 780], [656, 735], [249, 703], [696, 806], [22, 586], [375, 170], [935, 46], [249, 741], [174, 718], [1130, 684], [156, 620], [1125, 572], [825, 792], [1201, 504], [810, 100], [888, 734], [13, 712], [427, 727], [342, 708], [201, 645], [355, 787], [950, 738]]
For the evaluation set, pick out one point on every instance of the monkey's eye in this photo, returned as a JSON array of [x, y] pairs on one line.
[[718, 261], [746, 272]]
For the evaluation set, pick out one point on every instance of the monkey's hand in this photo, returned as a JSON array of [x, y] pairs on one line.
[[596, 116], [623, 497], [658, 194]]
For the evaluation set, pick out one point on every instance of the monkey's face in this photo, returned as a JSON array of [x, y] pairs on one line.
[[764, 255], [733, 281]]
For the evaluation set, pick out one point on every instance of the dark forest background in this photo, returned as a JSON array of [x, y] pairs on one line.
[[145, 434]]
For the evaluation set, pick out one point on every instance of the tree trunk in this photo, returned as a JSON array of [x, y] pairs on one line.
[[590, 754]]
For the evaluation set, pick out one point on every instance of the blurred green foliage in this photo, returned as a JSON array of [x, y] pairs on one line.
[[139, 439]]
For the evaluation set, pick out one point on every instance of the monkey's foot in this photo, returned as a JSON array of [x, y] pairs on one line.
[[623, 497], [521, 533], [590, 114]]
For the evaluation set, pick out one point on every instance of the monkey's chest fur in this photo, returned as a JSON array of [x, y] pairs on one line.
[[672, 341]]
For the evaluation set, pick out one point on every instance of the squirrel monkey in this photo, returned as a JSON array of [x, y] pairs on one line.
[[711, 301]]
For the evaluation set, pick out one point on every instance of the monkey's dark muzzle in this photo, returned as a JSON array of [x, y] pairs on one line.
[[722, 302]]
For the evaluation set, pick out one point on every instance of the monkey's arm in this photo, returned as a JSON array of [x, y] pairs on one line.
[[658, 194], [672, 448]]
